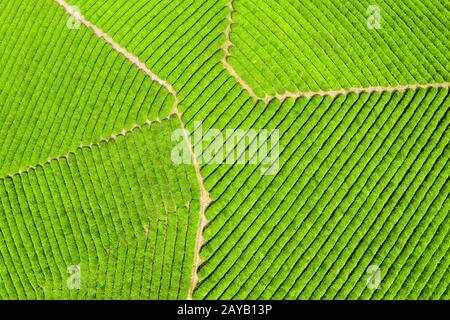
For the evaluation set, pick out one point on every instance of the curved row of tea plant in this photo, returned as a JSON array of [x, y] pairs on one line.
[[351, 168], [177, 39], [63, 87], [328, 45], [119, 211]]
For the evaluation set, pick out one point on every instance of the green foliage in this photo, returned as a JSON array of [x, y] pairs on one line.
[[61, 88], [327, 45], [363, 178], [116, 210], [177, 39]]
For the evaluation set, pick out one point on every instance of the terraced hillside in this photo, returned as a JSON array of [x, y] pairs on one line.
[[179, 40], [117, 210], [362, 181], [62, 88], [93, 99], [293, 46]]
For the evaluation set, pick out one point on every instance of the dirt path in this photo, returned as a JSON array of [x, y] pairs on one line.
[[205, 199], [116, 46]]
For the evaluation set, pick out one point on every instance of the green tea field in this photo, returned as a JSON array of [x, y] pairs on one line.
[[225, 149]]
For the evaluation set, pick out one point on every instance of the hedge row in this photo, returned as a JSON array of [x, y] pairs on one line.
[[121, 211]]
